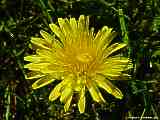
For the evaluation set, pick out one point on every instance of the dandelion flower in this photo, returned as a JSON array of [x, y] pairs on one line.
[[80, 59]]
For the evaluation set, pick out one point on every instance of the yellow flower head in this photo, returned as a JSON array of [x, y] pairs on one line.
[[80, 59]]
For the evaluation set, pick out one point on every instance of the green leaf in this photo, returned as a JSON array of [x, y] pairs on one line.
[[156, 53], [123, 26]]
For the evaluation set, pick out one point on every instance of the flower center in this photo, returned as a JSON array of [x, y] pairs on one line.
[[84, 57]]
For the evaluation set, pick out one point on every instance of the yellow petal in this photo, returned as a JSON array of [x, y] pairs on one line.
[[64, 25], [39, 42], [66, 93], [92, 31], [94, 91], [73, 24], [47, 37], [73, 35], [109, 38], [34, 74], [81, 23], [56, 92], [117, 93], [109, 87], [33, 58], [78, 84], [58, 75], [67, 104], [52, 68], [116, 65], [42, 82], [36, 66], [113, 71], [67, 90], [82, 101], [57, 31], [41, 67], [118, 59], [47, 55], [113, 48], [46, 67], [87, 23], [104, 38]]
